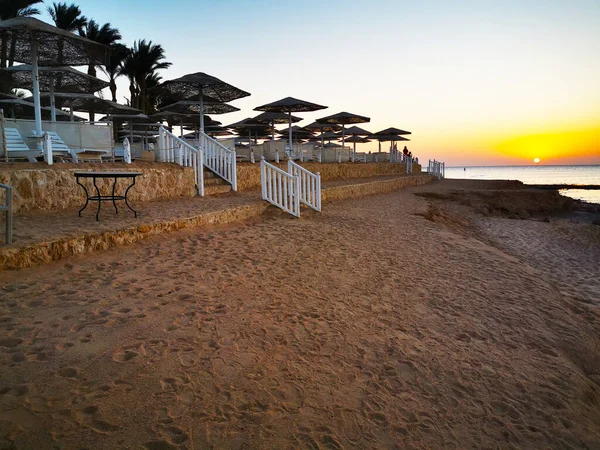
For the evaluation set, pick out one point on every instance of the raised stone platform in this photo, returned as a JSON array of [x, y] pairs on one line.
[[43, 236]]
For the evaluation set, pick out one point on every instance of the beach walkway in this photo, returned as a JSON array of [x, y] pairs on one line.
[[43, 236]]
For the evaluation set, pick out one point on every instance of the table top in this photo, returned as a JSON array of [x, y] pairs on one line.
[[108, 174]]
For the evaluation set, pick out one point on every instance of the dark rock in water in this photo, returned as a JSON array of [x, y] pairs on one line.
[[596, 222], [546, 219]]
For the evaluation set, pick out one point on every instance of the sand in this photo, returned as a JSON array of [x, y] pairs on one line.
[[392, 321]]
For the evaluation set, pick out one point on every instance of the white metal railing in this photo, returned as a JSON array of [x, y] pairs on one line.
[[47, 149], [408, 161], [310, 185], [280, 188], [174, 149], [437, 169], [219, 159]]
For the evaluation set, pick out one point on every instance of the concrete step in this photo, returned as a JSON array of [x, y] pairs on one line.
[[216, 189], [215, 181]]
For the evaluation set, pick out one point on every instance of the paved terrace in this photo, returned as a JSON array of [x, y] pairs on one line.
[[43, 236]]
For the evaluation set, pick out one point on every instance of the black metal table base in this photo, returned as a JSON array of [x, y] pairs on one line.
[[105, 198]]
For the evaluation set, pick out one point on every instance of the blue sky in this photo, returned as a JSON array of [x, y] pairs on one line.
[[464, 76]]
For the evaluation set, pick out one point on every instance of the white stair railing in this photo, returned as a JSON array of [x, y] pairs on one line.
[[219, 159], [280, 188], [437, 169], [310, 185], [176, 150], [408, 161]]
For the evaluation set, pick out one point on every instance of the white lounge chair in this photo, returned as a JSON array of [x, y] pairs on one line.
[[17, 148]]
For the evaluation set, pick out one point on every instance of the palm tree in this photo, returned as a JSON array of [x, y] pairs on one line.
[[67, 17], [128, 69], [9, 9], [140, 65], [104, 35], [113, 69], [152, 81]]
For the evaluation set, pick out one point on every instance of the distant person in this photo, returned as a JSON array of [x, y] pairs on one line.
[[410, 154], [405, 151]]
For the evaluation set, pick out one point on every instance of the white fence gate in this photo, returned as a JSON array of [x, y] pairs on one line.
[[280, 188], [173, 149], [219, 159], [437, 169], [310, 185]]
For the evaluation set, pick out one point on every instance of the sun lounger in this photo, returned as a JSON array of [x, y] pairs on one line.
[[17, 148]]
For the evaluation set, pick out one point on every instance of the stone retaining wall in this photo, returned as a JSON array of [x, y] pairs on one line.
[[376, 187], [36, 186], [249, 174]]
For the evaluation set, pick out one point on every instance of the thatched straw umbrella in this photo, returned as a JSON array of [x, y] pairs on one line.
[[38, 43], [289, 105], [356, 132], [390, 134], [71, 80], [272, 118], [343, 119], [199, 85]]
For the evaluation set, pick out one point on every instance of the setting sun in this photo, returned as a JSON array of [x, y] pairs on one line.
[[536, 160]]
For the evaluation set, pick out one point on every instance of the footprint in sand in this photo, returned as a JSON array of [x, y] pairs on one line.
[[160, 445], [174, 434], [91, 418], [15, 391], [10, 342], [123, 355]]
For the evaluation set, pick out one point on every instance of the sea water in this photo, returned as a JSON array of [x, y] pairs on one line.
[[573, 175]]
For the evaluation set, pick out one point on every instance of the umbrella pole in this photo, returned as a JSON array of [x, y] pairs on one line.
[[201, 111], [181, 126], [354, 152], [290, 133], [36, 87], [52, 101], [272, 130], [71, 115], [322, 141], [343, 137]]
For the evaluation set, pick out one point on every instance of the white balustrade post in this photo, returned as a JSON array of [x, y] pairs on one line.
[[263, 177], [161, 143], [179, 150], [47, 145], [277, 156], [319, 157], [252, 156], [127, 151], [318, 188], [297, 194], [290, 169], [234, 170]]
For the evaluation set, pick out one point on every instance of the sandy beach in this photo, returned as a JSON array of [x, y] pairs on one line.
[[438, 320]]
